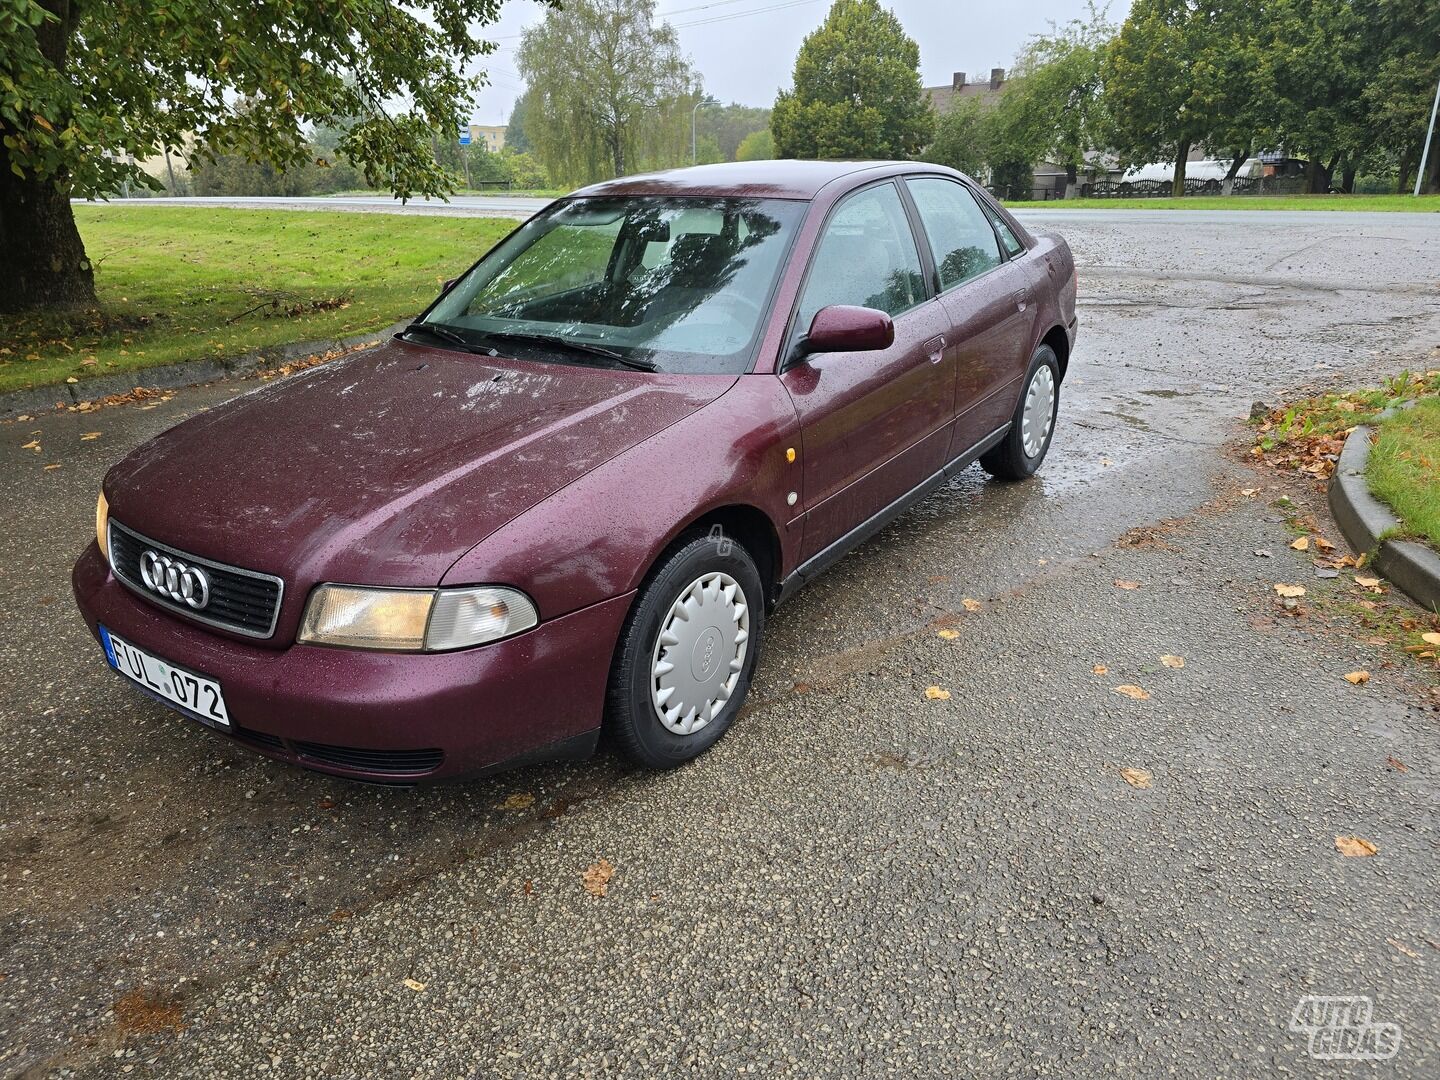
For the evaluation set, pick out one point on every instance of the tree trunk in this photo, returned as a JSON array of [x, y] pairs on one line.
[[1347, 179], [1406, 164], [45, 263], [1238, 164], [1182, 152], [42, 259], [1319, 177]]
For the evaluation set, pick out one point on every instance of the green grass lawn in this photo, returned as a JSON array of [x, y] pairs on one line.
[[1404, 468], [1427, 203], [179, 283]]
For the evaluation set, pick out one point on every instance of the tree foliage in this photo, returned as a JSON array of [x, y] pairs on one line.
[[963, 137], [609, 91], [84, 84], [1053, 108], [757, 146], [728, 125], [857, 91]]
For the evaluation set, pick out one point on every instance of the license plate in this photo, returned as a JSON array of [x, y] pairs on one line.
[[193, 693]]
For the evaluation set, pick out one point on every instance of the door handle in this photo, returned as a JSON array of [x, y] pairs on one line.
[[935, 349], [1022, 298]]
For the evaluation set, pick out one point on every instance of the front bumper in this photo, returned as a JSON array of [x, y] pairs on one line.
[[386, 717]]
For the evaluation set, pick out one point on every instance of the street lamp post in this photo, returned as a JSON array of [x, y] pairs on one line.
[[704, 102], [1424, 153]]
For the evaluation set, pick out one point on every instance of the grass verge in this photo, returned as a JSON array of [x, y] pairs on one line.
[[1308, 435], [1424, 203], [1404, 468], [183, 283]]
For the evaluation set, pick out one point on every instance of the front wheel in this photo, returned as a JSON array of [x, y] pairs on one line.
[[1020, 453], [686, 654]]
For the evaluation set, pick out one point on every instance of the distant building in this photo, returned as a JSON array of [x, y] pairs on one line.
[[490, 136], [942, 97]]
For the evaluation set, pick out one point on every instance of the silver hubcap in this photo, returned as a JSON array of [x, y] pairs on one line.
[[1039, 414], [699, 653]]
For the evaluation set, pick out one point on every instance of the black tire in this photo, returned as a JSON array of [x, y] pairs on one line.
[[630, 717], [1007, 460]]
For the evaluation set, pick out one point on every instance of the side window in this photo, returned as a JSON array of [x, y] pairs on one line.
[[960, 234], [1008, 239], [866, 257]]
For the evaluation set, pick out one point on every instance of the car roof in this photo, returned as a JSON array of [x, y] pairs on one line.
[[752, 179]]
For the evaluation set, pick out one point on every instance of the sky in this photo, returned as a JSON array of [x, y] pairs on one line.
[[748, 58]]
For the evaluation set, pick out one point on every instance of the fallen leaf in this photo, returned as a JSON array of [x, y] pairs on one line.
[[1128, 586], [1249, 493], [1355, 846], [1396, 764], [1430, 639], [521, 800], [54, 466], [33, 444], [1404, 949], [326, 803], [1324, 545], [1172, 661], [948, 635], [935, 693], [1356, 678], [1131, 691], [1264, 553], [89, 436], [596, 878], [1367, 582], [1290, 591], [1100, 669], [1301, 543], [1136, 778], [970, 605], [415, 984]]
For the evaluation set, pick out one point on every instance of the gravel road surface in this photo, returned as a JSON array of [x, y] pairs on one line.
[[860, 880]]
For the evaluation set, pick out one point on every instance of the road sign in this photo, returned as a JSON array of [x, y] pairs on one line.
[[465, 138]]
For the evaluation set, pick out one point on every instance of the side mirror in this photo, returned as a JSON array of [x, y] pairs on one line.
[[841, 328]]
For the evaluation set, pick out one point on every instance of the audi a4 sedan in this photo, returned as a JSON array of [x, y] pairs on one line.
[[564, 501]]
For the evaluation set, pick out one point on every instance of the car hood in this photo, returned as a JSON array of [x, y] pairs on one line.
[[386, 468]]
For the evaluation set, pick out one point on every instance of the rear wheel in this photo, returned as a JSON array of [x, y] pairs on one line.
[[686, 654], [1025, 445]]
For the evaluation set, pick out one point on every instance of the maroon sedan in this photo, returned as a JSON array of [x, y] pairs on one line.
[[565, 500]]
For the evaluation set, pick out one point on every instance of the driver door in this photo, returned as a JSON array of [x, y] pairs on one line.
[[873, 425]]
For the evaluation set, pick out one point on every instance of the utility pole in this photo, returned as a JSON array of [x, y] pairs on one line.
[[704, 102], [1429, 138]]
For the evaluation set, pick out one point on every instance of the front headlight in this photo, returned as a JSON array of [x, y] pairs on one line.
[[414, 620], [102, 520]]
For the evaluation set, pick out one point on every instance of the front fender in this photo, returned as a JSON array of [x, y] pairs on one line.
[[598, 537]]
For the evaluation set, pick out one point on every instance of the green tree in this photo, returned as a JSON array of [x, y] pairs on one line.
[[962, 137], [84, 85], [1053, 102], [608, 90], [757, 146], [1175, 78], [729, 124], [1405, 64], [515, 135], [856, 91]]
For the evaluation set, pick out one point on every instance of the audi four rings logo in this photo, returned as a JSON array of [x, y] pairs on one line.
[[175, 580]]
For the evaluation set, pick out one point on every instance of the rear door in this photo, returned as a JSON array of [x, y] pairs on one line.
[[987, 297], [873, 424]]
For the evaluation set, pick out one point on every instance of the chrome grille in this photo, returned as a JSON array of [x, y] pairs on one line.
[[241, 601]]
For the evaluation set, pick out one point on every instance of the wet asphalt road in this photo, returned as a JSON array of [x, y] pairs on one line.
[[858, 881]]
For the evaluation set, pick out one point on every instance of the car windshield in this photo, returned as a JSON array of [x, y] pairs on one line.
[[671, 283]]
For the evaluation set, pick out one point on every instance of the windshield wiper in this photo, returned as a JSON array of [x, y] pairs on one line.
[[437, 331], [577, 346]]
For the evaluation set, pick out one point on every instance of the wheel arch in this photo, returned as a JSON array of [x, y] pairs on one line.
[[1059, 341], [739, 522]]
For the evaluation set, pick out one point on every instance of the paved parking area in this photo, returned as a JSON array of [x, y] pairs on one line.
[[859, 881]]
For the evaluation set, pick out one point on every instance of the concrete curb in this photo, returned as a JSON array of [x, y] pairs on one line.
[[187, 373], [1413, 568]]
